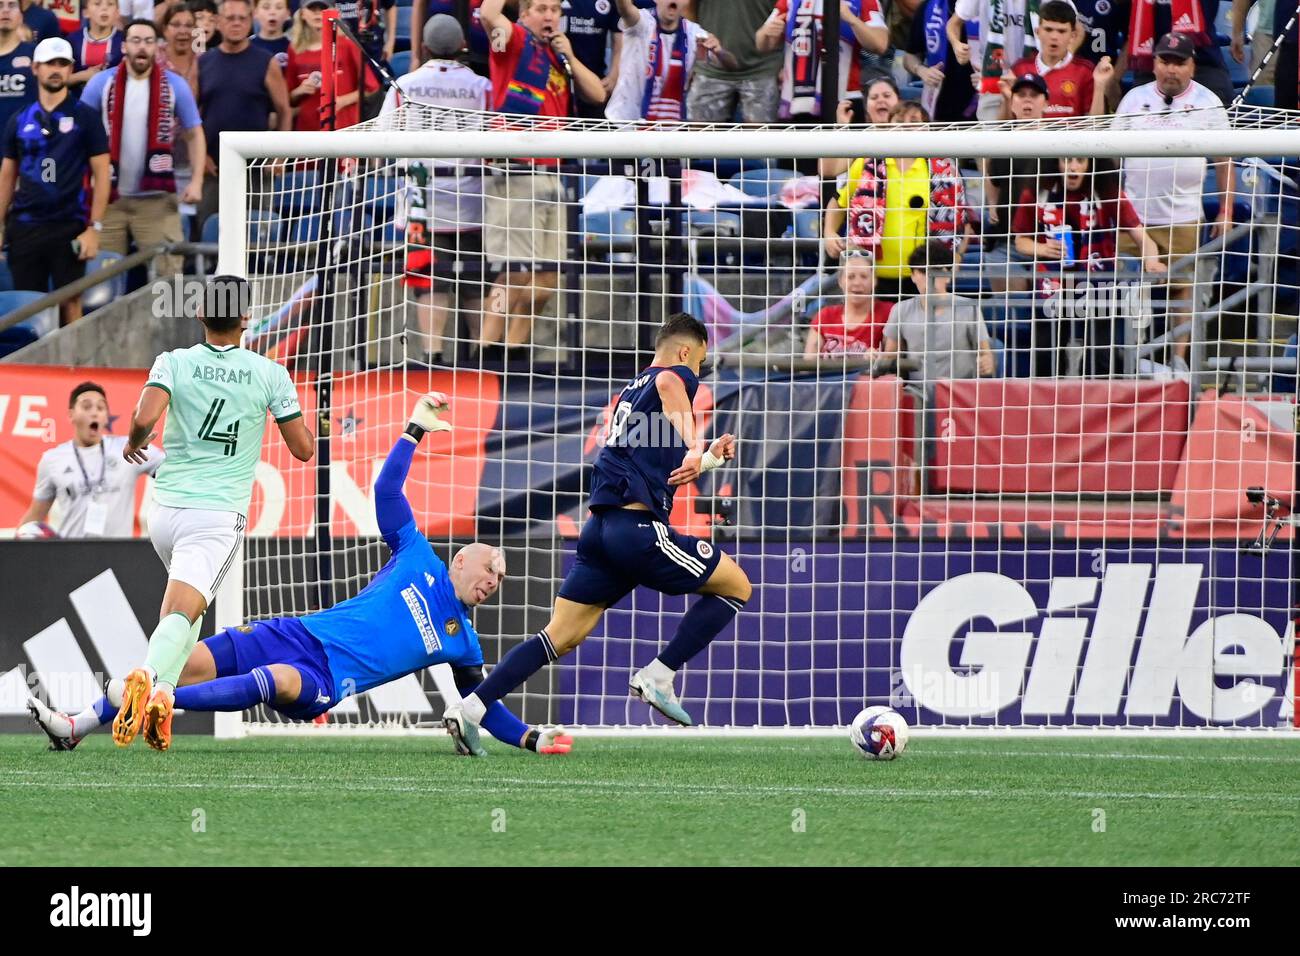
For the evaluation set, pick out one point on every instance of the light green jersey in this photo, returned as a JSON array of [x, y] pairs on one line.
[[215, 422]]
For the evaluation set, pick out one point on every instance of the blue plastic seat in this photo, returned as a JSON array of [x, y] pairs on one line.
[[1285, 381], [400, 64], [24, 333], [403, 40], [211, 229], [101, 295], [764, 181]]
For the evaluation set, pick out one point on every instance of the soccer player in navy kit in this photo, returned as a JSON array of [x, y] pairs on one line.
[[413, 614], [651, 448]]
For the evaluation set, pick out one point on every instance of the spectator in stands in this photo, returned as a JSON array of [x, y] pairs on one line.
[[205, 20], [96, 46], [1069, 226], [1167, 192], [855, 326], [240, 87], [1103, 25], [373, 22], [271, 16], [1075, 86], [899, 16], [942, 334], [128, 10], [41, 22], [176, 51], [990, 51], [303, 74], [1151, 20], [1273, 19], [86, 475], [946, 92], [1026, 99], [466, 12], [752, 87], [147, 112], [657, 65], [862, 27], [524, 221], [880, 100], [444, 198], [54, 149], [892, 206], [592, 28], [17, 87]]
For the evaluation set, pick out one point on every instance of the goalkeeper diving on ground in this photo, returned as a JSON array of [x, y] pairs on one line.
[[650, 450], [414, 613]]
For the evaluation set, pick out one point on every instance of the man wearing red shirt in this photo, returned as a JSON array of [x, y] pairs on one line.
[[534, 73], [1075, 86]]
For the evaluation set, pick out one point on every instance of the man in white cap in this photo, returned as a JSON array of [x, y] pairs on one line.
[[443, 200], [48, 148]]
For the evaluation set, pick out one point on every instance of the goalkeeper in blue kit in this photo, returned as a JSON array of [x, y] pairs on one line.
[[413, 614]]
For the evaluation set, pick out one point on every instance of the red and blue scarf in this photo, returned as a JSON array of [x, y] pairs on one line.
[[526, 91], [664, 95], [157, 175]]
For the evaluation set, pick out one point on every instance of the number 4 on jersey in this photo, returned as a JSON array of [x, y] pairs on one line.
[[208, 430]]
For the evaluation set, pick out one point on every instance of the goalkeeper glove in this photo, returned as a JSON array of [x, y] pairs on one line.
[[426, 412], [549, 740]]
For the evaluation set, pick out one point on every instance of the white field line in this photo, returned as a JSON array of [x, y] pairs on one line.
[[607, 787]]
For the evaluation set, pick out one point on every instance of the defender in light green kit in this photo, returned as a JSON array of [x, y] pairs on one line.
[[217, 396]]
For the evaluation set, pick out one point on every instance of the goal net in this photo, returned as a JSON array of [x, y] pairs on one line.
[[1002, 482]]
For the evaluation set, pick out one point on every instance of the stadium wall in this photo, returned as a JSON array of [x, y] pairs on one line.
[[72, 614]]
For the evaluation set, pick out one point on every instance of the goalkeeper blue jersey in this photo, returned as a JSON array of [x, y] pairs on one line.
[[407, 618]]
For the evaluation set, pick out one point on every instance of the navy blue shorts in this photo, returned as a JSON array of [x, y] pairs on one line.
[[619, 549], [281, 640]]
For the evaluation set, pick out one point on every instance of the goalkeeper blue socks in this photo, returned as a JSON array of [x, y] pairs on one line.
[[503, 725], [516, 667], [701, 624], [229, 693]]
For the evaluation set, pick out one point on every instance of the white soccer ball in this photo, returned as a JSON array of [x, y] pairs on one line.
[[878, 733]]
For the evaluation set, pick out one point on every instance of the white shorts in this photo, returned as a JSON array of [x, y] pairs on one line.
[[196, 546]]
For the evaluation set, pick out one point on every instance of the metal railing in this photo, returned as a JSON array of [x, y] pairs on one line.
[[106, 274]]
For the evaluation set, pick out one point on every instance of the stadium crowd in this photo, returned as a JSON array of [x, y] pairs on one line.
[[127, 103]]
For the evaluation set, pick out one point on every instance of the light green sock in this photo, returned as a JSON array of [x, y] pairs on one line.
[[169, 648]]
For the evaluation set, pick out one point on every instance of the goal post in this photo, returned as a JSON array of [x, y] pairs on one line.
[[1017, 503]]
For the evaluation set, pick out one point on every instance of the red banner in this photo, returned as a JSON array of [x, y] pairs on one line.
[[1019, 436], [369, 411]]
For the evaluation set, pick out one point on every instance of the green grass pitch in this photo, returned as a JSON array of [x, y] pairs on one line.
[[395, 801]]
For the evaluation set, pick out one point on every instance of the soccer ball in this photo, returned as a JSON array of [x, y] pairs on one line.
[[878, 733]]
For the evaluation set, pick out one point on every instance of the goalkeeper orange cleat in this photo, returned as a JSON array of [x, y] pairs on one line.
[[136, 691], [158, 721]]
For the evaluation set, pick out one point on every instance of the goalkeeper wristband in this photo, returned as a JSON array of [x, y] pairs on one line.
[[709, 461], [531, 738], [415, 431]]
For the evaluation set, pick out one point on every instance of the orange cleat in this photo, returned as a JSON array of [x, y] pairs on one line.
[[158, 721], [130, 717]]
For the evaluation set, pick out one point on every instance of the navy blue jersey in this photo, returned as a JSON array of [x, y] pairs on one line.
[[17, 85], [53, 152], [642, 448], [1106, 24]]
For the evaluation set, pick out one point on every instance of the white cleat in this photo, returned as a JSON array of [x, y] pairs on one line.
[[661, 698], [56, 724], [461, 730]]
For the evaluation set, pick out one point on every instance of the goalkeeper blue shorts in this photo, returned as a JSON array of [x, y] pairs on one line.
[[281, 640], [620, 548]]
